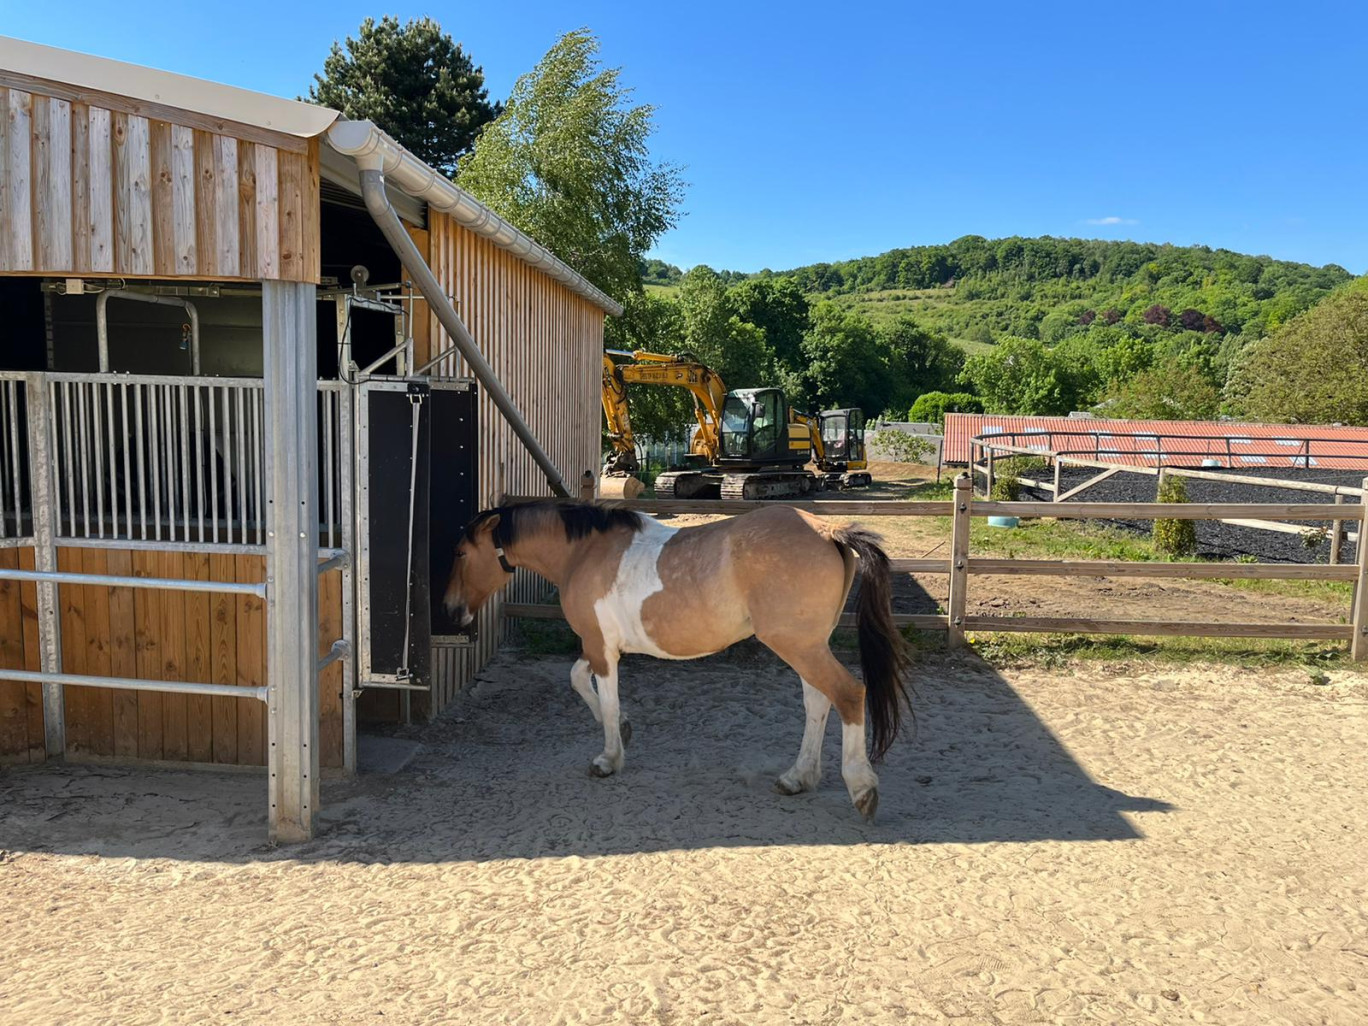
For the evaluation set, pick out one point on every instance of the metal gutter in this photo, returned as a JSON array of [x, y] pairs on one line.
[[374, 150], [377, 204]]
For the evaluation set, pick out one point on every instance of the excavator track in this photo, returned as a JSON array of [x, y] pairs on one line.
[[686, 484], [769, 485]]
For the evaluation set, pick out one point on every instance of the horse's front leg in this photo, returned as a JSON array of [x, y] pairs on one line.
[[608, 763], [807, 771]]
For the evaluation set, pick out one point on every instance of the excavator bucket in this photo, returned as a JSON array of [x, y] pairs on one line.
[[620, 486]]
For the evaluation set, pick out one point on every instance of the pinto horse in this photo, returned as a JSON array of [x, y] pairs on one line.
[[629, 583]]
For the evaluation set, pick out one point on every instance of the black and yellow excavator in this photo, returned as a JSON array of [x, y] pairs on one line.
[[748, 444]]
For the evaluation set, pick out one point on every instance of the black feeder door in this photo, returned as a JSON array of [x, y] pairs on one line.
[[417, 483]]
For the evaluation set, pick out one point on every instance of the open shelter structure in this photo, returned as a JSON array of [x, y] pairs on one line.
[[258, 364]]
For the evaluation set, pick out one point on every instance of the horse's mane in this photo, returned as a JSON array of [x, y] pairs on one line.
[[579, 519]]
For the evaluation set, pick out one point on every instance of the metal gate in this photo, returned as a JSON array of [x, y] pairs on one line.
[[416, 488]]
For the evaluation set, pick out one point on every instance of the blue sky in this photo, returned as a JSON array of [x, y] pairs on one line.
[[825, 131]]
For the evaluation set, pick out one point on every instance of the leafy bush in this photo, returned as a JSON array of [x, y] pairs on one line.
[[1175, 537], [1006, 488], [931, 407], [898, 446]]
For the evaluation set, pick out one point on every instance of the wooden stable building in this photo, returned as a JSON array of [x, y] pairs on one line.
[[258, 364]]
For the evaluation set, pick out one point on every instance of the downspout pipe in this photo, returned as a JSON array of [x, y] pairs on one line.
[[377, 204]]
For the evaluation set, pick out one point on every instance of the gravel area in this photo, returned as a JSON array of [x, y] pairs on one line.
[[1224, 541]]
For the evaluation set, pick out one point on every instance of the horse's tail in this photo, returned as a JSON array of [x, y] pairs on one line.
[[884, 656]]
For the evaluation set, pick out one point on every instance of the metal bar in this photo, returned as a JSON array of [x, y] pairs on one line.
[[199, 459], [257, 445], [102, 322], [175, 687], [118, 581], [142, 464], [959, 558], [334, 563], [13, 389], [337, 651], [43, 477], [240, 436], [291, 477], [1164, 510], [82, 458], [212, 458], [154, 458], [98, 444], [451, 350], [369, 369], [183, 429], [347, 496], [68, 464]]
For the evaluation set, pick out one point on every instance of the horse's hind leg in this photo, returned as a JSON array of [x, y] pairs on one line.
[[807, 771], [819, 668]]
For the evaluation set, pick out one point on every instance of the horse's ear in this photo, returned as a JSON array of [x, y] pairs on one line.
[[487, 526]]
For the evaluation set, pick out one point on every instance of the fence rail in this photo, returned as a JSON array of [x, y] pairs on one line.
[[961, 565]]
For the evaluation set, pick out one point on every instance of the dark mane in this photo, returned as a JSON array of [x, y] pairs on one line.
[[580, 519]]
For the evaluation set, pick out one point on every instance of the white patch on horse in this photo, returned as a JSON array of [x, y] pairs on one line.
[[638, 578]]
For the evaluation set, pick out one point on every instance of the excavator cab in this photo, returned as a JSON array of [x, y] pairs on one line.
[[843, 457], [757, 431]]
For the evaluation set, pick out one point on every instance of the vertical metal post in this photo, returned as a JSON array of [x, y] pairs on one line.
[[45, 513], [1337, 533], [1358, 646], [959, 558], [346, 436], [291, 440]]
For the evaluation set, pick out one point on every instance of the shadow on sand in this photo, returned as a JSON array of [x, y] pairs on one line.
[[503, 775]]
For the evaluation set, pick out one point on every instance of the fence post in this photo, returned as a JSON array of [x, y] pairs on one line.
[[1159, 487], [46, 517], [988, 485], [1337, 533], [959, 557], [587, 486], [1057, 469], [1358, 646]]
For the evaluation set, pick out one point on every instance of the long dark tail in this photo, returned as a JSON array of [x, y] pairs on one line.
[[884, 656]]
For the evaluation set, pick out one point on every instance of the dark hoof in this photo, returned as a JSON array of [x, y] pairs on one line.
[[784, 787], [595, 770], [626, 731], [868, 804]]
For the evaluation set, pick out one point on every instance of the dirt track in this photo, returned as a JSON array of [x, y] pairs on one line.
[[1152, 847]]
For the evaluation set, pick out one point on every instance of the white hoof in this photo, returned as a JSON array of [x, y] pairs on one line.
[[603, 766]]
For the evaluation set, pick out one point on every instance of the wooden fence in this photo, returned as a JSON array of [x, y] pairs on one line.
[[961, 564]]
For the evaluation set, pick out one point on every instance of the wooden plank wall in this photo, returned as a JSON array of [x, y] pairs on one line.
[[155, 635], [545, 343], [92, 184]]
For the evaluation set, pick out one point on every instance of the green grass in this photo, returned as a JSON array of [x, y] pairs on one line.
[[1059, 650], [666, 291]]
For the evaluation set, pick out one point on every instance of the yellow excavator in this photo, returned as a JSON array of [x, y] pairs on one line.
[[749, 443]]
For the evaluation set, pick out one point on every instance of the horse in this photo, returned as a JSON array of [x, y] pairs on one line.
[[629, 583]]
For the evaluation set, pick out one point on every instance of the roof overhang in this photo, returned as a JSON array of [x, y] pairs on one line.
[[225, 102]]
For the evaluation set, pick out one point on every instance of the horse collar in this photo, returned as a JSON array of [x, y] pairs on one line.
[[503, 560]]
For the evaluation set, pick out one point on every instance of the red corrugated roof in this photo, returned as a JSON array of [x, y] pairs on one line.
[[1182, 443]]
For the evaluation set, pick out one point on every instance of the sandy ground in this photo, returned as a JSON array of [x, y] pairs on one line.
[[1118, 845]]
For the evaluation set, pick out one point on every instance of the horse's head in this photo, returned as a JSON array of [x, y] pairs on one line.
[[477, 572]]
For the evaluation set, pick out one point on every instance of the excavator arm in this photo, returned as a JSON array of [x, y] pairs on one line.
[[680, 371]]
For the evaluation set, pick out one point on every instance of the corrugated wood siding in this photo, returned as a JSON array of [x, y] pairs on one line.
[[546, 345], [92, 189], [156, 635]]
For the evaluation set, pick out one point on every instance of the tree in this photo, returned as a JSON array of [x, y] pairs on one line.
[[567, 162], [1310, 371], [1169, 391], [1157, 314], [413, 81], [1016, 377], [778, 306], [845, 362], [918, 360]]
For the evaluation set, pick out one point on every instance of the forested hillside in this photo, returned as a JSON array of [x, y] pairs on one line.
[[1016, 325]]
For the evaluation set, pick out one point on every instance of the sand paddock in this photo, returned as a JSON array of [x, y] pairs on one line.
[[1096, 845]]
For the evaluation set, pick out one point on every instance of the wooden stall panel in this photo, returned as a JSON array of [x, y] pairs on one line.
[[97, 184], [14, 746]]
